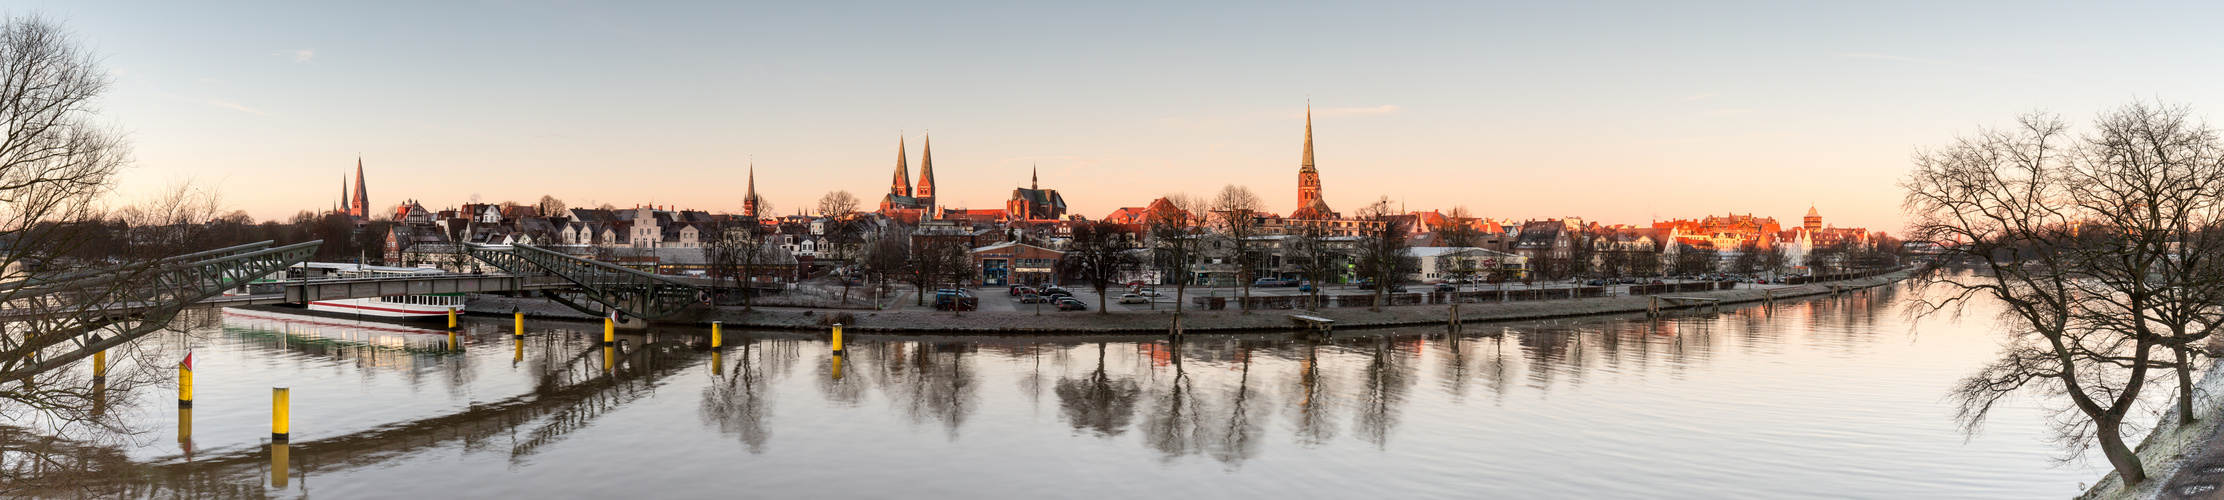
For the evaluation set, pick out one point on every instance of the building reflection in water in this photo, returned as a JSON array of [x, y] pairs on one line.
[[1212, 396]]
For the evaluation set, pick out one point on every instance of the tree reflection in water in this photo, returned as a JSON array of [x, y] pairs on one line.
[[1098, 403], [739, 405], [1211, 397]]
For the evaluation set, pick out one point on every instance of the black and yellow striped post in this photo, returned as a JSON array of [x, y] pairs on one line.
[[837, 345], [281, 414]]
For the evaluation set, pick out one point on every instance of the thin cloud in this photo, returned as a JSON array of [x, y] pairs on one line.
[[299, 55], [238, 106]]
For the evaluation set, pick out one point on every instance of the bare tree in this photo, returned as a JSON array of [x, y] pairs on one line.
[[56, 159], [734, 249], [549, 206], [837, 204], [2079, 240], [1176, 236], [1099, 253], [1381, 255], [1317, 258], [886, 254], [1237, 210]]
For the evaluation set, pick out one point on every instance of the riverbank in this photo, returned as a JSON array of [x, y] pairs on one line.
[[2181, 461], [980, 322]]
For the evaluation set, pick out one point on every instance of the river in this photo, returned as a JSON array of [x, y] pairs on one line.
[[1821, 398]]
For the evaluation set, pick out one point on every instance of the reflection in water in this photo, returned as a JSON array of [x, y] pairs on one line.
[[1099, 402], [1212, 397]]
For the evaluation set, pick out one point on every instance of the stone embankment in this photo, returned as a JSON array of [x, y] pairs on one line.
[[979, 322]]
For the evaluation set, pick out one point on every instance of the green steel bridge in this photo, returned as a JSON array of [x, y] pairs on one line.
[[53, 320]]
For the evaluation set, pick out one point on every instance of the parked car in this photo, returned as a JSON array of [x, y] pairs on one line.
[[1397, 289], [1148, 292], [1658, 282], [1267, 282], [1129, 298], [1307, 288], [1447, 287], [1595, 283], [958, 301], [1366, 284], [1030, 298], [1056, 293], [1069, 304]]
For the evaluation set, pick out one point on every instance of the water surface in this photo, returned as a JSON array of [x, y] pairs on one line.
[[1827, 398]]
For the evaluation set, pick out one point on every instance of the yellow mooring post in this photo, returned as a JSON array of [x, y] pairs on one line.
[[452, 344], [837, 339], [609, 330], [451, 317], [100, 364], [517, 351], [280, 416], [717, 363], [185, 386], [715, 341], [519, 319], [607, 359], [837, 366]]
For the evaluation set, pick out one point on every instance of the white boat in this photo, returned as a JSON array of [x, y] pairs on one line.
[[392, 306]]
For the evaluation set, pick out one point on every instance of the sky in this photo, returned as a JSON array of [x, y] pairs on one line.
[[1616, 112]]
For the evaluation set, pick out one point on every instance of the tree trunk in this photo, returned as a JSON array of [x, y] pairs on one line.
[[2185, 386], [2119, 455]]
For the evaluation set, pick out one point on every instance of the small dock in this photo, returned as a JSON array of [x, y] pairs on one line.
[[1653, 308], [1315, 323]]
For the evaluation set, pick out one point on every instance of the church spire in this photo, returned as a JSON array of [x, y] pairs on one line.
[[360, 207], [749, 201], [343, 203], [901, 186], [1034, 176], [925, 191], [1307, 166]]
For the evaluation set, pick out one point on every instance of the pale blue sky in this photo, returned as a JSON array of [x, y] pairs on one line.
[[1616, 112]]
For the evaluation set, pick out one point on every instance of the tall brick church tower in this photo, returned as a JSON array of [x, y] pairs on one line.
[[1309, 203]]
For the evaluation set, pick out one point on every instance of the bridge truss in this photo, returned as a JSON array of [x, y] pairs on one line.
[[601, 288], [68, 311]]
